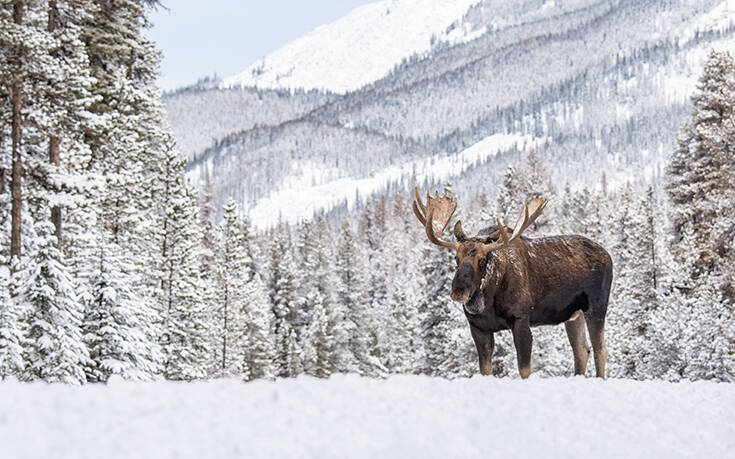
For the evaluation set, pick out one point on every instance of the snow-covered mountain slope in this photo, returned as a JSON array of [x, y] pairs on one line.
[[607, 83], [357, 49], [350, 416], [309, 190]]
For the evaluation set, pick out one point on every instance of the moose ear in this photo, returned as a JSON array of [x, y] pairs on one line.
[[494, 236], [458, 233]]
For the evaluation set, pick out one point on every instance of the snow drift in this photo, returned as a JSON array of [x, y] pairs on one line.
[[350, 416]]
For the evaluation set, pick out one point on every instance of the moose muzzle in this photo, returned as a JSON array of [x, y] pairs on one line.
[[463, 283]]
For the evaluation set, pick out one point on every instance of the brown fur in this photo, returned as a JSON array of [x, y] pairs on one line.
[[533, 282]]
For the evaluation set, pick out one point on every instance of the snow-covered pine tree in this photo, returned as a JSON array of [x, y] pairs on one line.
[[709, 334], [315, 289], [636, 295], [350, 294], [282, 289], [508, 197], [259, 352], [66, 90], [55, 351], [534, 180], [398, 338], [11, 329], [229, 304], [207, 214], [319, 343], [377, 273], [186, 330], [118, 328], [700, 180]]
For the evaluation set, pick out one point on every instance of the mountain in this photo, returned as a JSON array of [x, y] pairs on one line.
[[357, 49], [596, 87]]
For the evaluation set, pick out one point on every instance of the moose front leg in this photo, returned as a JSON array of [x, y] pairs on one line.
[[485, 343], [523, 340]]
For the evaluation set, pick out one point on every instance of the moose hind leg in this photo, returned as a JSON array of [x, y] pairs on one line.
[[581, 350], [596, 328], [523, 341]]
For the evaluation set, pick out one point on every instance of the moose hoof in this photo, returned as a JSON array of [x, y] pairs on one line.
[[524, 371]]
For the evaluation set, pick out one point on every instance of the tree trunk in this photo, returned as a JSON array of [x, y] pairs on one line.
[[54, 140], [54, 144], [17, 164]]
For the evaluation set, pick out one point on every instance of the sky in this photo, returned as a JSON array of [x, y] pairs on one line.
[[226, 36]]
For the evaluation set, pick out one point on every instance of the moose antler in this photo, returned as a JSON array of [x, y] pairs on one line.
[[530, 212], [437, 209]]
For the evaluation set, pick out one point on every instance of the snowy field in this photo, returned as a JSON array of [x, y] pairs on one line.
[[350, 416]]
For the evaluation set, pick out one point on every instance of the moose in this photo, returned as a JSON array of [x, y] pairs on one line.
[[506, 281]]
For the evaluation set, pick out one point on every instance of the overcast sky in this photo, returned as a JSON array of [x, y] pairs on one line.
[[199, 38]]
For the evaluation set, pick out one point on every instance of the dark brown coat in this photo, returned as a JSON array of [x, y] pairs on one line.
[[542, 281]]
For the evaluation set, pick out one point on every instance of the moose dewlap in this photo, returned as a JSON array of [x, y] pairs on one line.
[[506, 281]]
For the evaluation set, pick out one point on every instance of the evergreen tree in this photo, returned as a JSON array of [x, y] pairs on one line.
[[231, 269], [259, 353], [118, 327], [186, 322], [283, 295], [709, 334], [351, 308], [319, 345], [55, 350], [207, 210], [700, 172], [508, 197], [11, 329]]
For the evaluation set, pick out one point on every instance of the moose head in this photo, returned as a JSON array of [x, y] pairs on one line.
[[472, 253]]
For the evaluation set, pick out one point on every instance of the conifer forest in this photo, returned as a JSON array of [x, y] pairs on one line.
[[120, 257]]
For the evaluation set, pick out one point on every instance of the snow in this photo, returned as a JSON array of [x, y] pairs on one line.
[[312, 188], [351, 416], [357, 49]]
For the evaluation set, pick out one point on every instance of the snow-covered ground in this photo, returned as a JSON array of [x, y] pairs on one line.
[[350, 416]]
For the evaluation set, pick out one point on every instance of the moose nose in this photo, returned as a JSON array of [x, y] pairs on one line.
[[462, 278]]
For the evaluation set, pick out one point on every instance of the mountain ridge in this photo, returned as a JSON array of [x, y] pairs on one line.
[[611, 108]]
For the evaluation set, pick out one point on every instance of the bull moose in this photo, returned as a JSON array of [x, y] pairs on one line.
[[506, 281]]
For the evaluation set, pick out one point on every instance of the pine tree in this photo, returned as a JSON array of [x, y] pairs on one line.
[[11, 330], [700, 172], [319, 344], [231, 269], [508, 197], [435, 310], [207, 211], [55, 351], [350, 307], [534, 180], [709, 334], [186, 322], [259, 353], [282, 288], [398, 339], [118, 329]]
